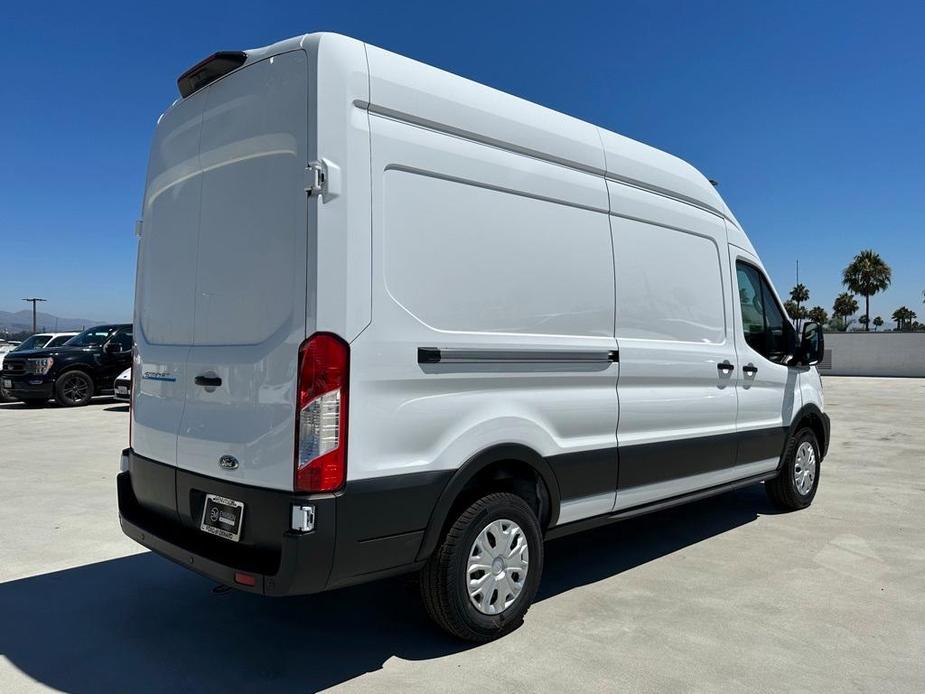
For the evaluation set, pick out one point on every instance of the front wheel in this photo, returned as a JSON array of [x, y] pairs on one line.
[[73, 389], [481, 580], [796, 484]]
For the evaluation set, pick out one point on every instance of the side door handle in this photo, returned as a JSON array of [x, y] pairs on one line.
[[749, 369], [725, 366], [208, 381]]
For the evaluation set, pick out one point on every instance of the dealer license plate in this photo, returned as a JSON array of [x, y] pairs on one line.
[[222, 517]]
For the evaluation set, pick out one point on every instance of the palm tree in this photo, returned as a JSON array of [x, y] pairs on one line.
[[794, 310], [903, 317], [845, 305], [878, 323], [798, 295], [866, 275], [817, 314], [898, 316]]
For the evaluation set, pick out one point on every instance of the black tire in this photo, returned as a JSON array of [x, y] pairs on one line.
[[73, 389], [444, 578], [783, 490]]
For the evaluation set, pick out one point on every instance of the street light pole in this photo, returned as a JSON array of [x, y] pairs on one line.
[[34, 302]]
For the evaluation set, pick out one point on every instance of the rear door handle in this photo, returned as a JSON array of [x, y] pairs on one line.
[[725, 366], [749, 369], [208, 381]]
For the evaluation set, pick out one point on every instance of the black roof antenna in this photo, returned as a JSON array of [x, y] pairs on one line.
[[714, 183]]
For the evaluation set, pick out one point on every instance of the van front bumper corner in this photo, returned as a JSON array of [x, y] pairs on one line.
[[278, 560]]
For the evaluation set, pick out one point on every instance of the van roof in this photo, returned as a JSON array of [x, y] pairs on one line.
[[411, 91]]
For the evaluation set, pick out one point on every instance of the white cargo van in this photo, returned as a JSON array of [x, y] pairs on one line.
[[391, 320]]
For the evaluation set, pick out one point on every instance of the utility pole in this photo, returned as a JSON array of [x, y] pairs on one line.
[[34, 302]]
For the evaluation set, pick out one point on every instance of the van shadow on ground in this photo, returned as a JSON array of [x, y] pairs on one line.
[[142, 624]]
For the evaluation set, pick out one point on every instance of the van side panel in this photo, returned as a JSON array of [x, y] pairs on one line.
[[673, 324], [485, 251], [408, 90], [637, 163]]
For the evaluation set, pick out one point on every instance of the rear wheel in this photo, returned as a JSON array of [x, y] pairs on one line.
[[481, 580], [73, 389], [795, 486]]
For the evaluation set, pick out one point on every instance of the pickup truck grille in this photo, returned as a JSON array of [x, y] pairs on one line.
[[14, 366]]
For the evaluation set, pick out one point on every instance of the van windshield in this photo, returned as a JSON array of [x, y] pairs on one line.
[[90, 337]]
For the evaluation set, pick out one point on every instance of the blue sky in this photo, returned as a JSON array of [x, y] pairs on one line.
[[811, 115]]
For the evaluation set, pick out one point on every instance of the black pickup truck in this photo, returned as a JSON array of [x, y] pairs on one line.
[[73, 373]]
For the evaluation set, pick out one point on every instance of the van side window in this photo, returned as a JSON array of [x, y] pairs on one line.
[[763, 322]]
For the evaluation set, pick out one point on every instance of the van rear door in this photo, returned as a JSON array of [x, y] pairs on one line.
[[165, 284], [245, 285]]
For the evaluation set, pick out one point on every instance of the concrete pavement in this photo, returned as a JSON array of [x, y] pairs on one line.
[[725, 595]]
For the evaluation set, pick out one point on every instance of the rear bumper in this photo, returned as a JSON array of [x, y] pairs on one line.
[[370, 530], [160, 507]]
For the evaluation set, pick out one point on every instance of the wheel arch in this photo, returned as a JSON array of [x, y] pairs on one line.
[[811, 416], [505, 466], [76, 366]]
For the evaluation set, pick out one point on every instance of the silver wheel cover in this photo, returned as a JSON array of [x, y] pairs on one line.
[[804, 468], [497, 567]]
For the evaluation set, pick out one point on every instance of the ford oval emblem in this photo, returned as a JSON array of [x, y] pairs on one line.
[[228, 462]]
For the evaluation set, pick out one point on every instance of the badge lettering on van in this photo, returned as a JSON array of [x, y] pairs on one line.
[[158, 376]]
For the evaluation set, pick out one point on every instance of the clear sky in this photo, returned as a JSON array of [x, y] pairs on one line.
[[811, 115]]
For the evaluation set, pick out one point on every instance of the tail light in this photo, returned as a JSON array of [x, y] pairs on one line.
[[321, 426]]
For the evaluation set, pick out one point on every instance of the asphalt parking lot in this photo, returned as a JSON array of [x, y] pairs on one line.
[[723, 595]]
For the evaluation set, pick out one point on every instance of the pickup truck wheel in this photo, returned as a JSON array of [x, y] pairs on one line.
[[796, 483], [481, 580], [73, 389]]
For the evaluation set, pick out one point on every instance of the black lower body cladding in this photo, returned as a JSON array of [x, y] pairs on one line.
[[369, 530]]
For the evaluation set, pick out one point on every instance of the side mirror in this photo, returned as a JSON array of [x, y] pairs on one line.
[[112, 349], [812, 344]]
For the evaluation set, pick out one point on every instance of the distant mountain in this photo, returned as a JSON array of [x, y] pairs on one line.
[[22, 320]]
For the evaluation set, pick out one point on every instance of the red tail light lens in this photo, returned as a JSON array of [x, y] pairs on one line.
[[321, 426]]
